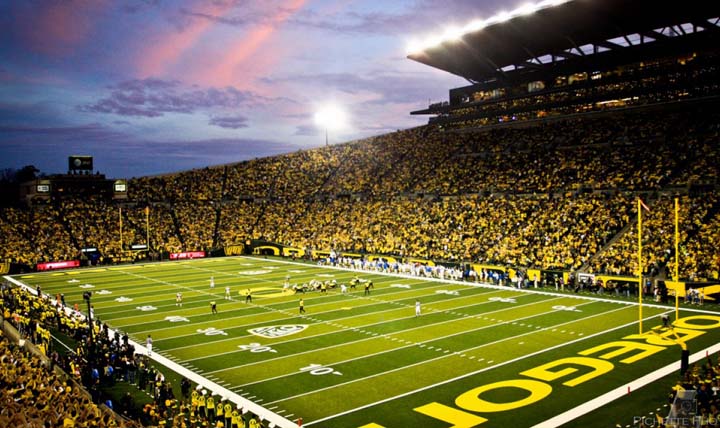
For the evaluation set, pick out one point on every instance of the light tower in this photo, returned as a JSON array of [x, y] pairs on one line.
[[330, 117]]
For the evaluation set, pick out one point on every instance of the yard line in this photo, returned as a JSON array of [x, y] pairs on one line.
[[170, 300], [388, 336], [497, 287], [405, 394], [292, 312], [329, 322], [446, 356], [242, 304], [147, 278], [412, 344]]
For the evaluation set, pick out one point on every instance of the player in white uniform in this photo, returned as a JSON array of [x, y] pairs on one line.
[[178, 299], [227, 293], [417, 308], [212, 282]]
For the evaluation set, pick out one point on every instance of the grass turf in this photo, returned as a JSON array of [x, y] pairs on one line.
[[358, 360]]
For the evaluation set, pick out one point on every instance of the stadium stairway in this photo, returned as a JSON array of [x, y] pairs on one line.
[[586, 266]]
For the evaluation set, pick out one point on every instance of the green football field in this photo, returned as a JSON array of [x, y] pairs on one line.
[[476, 356]]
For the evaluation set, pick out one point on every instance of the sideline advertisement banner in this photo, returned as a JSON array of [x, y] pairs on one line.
[[187, 255], [58, 265]]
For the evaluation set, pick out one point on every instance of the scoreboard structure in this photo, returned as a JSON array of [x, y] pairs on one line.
[[80, 164]]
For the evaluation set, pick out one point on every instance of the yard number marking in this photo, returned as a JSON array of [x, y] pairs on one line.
[[319, 370]]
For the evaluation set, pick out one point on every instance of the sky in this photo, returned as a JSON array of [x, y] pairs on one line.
[[154, 86]]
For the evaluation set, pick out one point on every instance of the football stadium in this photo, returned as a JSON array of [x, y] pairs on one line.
[[542, 253]]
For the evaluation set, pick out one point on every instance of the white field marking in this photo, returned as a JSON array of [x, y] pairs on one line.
[[389, 336], [244, 280], [170, 301], [248, 278], [496, 287], [271, 309], [321, 269], [332, 322], [147, 278], [621, 391], [438, 349], [473, 373], [279, 421]]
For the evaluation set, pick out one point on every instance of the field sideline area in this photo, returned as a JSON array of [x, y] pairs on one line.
[[478, 355]]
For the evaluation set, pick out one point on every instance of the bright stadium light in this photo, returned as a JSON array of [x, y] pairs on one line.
[[475, 25], [501, 17], [526, 9], [331, 118], [454, 34]]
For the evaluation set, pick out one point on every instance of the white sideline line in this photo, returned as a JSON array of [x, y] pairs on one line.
[[621, 391], [279, 421], [404, 394], [469, 349], [497, 287]]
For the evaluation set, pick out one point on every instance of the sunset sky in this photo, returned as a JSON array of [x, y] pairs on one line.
[[154, 86]]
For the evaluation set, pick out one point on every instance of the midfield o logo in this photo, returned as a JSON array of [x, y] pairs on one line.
[[274, 331]]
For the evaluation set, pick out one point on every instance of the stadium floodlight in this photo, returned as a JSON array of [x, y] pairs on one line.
[[413, 46], [331, 118], [526, 9], [501, 17], [453, 34], [477, 25]]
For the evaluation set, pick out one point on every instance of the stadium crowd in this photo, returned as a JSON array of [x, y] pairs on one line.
[[69, 389], [702, 378], [555, 195]]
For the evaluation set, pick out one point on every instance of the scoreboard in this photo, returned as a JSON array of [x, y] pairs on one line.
[[80, 163]]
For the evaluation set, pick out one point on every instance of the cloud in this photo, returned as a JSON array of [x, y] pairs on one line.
[[156, 97], [307, 130], [53, 28], [92, 131], [243, 49], [166, 48], [261, 13], [136, 6], [418, 20], [235, 122], [131, 156], [389, 88]]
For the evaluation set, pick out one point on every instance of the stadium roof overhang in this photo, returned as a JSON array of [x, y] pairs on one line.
[[576, 35]]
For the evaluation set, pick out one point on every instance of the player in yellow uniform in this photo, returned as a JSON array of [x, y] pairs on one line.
[[211, 409], [201, 404], [227, 409], [194, 402], [220, 416], [235, 418]]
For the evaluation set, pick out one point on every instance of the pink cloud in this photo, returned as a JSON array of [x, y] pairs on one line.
[[56, 28], [167, 48], [238, 55]]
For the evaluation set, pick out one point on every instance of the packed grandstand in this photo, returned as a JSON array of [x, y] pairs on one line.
[[538, 184]]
